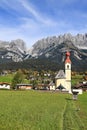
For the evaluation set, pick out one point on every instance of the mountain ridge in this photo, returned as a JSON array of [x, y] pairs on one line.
[[12, 51], [54, 48], [50, 48]]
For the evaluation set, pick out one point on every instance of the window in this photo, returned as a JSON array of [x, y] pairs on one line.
[[67, 66]]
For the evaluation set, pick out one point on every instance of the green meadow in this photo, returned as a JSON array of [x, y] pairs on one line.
[[7, 78], [37, 110]]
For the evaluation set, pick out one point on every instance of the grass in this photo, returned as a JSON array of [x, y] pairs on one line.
[[33, 110], [82, 105], [7, 78], [27, 110]]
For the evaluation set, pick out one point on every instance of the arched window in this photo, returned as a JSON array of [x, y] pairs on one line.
[[67, 66]]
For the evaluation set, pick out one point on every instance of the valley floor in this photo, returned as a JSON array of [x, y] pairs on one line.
[[33, 110]]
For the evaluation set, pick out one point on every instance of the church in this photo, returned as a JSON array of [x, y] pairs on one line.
[[63, 78]]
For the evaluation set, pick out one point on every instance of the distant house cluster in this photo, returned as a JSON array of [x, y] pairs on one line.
[[62, 81]]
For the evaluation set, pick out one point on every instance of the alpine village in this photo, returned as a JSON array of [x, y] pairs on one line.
[[45, 87]]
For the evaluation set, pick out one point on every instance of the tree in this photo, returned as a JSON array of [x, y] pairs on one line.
[[34, 83], [18, 78]]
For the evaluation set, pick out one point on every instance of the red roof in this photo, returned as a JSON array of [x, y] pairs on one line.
[[67, 57]]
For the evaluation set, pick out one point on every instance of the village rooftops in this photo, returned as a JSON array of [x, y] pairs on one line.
[[60, 75]]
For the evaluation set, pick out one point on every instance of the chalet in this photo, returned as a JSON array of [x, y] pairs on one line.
[[4, 85]]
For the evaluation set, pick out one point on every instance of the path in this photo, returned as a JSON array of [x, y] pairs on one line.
[[71, 119]]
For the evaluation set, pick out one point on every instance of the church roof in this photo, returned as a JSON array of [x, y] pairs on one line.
[[60, 75]]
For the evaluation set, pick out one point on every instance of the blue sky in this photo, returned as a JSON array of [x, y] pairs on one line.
[[32, 20]]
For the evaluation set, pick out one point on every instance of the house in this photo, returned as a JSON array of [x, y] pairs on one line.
[[4, 85], [24, 86], [42, 87], [63, 78], [52, 86], [81, 85], [79, 91]]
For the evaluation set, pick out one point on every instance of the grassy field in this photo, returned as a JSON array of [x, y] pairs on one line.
[[33, 110], [7, 78]]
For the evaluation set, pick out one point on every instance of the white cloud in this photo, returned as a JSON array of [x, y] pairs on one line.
[[39, 17]]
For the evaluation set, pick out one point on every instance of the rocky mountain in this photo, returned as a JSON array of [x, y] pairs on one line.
[[54, 48], [12, 51], [79, 41], [50, 48]]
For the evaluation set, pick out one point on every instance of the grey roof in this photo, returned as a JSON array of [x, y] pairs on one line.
[[60, 75], [51, 83]]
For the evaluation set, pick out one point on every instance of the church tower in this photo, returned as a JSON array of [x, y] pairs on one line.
[[68, 71]]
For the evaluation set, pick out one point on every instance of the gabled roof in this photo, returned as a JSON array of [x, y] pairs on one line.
[[51, 83], [60, 75]]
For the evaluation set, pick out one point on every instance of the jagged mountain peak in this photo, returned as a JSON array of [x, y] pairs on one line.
[[54, 48], [79, 40], [19, 43], [12, 51]]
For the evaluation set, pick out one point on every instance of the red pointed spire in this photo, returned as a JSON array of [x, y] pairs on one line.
[[67, 57]]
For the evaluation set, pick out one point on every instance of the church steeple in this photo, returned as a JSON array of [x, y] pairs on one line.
[[68, 70]]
